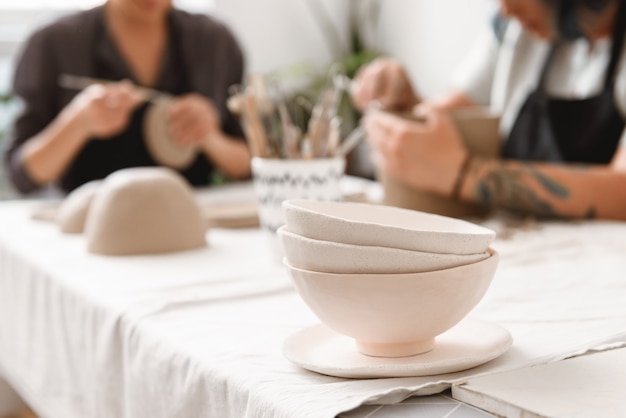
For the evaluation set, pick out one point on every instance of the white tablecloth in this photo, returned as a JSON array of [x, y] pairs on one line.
[[199, 333]]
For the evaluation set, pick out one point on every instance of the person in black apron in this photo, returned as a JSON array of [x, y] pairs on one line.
[[564, 130], [540, 169]]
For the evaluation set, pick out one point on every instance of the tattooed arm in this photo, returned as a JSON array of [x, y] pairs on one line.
[[551, 190], [428, 155]]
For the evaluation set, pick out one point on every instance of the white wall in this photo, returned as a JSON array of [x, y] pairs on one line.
[[430, 36], [276, 34]]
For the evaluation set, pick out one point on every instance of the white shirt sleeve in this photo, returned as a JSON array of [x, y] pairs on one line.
[[474, 76]]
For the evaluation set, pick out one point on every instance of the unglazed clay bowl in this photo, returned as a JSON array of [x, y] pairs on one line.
[[150, 210], [385, 226], [395, 315], [336, 257]]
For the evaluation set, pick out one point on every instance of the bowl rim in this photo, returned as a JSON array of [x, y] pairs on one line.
[[284, 230], [494, 256], [477, 230]]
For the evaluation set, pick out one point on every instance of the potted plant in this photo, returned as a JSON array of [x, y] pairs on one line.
[[347, 56]]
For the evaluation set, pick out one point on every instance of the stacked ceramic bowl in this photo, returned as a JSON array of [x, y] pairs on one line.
[[393, 279]]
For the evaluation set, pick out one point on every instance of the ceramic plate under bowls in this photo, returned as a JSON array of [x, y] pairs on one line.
[[469, 344], [161, 146]]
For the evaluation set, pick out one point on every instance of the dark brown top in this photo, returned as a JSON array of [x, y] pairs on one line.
[[202, 56]]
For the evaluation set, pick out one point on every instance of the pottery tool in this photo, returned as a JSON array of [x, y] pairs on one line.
[[306, 148], [254, 126], [253, 108], [76, 82], [351, 141], [343, 82], [258, 88], [334, 136], [320, 124], [236, 104], [290, 132], [325, 109]]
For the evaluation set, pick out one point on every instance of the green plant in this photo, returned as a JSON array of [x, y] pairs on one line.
[[363, 16], [350, 55], [5, 100], [347, 56]]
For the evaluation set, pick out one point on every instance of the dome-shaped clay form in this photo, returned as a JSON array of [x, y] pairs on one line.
[[144, 211], [72, 212]]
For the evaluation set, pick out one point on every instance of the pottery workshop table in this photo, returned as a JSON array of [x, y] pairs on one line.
[[200, 333]]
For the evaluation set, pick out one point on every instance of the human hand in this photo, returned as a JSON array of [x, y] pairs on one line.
[[193, 119], [104, 111], [386, 82], [426, 154]]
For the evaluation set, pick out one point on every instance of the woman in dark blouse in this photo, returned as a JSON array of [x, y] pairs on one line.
[[69, 138]]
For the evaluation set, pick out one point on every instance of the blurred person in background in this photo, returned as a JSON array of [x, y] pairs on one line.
[[555, 72], [68, 137]]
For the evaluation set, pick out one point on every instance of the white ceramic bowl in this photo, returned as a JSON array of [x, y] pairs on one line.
[[335, 257], [385, 226], [395, 315]]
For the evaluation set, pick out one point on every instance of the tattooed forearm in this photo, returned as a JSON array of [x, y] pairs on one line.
[[548, 184], [522, 187], [503, 188]]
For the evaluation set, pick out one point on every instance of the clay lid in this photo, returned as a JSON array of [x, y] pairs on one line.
[[144, 211]]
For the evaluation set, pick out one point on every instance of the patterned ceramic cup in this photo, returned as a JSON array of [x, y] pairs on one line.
[[276, 180]]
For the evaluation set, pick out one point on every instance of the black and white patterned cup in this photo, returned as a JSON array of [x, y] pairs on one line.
[[276, 180]]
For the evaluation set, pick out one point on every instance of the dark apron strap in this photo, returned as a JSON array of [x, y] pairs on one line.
[[619, 34]]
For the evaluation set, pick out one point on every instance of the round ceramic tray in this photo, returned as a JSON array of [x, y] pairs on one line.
[[160, 145], [469, 344]]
